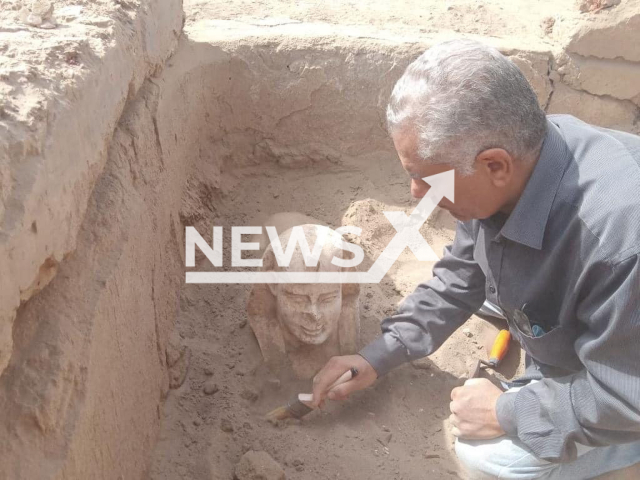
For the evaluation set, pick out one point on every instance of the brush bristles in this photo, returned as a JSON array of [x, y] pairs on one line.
[[294, 409], [280, 413]]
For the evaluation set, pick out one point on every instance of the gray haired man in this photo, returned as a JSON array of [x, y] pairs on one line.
[[548, 232]]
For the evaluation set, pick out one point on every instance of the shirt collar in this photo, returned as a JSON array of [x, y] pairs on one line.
[[527, 222]]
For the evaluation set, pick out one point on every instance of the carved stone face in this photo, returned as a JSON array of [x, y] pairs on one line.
[[310, 313], [303, 325]]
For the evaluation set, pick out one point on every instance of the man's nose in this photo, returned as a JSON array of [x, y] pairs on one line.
[[419, 188]]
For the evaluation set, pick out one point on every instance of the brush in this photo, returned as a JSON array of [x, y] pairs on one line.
[[298, 406]]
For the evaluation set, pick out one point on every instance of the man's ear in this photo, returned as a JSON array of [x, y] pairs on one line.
[[497, 163]]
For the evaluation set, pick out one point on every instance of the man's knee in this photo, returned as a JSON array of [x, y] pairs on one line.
[[473, 458], [500, 458]]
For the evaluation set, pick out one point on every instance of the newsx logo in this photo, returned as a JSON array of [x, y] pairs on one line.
[[408, 235], [283, 257]]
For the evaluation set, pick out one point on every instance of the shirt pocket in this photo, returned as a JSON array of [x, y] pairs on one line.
[[554, 347]]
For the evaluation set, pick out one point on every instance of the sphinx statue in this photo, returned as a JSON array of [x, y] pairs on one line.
[[301, 326]]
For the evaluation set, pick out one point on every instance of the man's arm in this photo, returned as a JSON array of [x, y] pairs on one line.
[[601, 404], [434, 310]]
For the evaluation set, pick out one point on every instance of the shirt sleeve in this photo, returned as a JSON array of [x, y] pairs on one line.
[[430, 314], [600, 405]]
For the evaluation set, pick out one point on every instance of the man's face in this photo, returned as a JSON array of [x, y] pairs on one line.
[[309, 312], [476, 196]]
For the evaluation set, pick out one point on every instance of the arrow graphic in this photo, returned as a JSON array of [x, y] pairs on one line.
[[408, 235]]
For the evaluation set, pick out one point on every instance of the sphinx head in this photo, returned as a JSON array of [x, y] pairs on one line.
[[304, 324], [307, 313]]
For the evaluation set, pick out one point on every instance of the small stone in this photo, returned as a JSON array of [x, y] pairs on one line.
[[547, 25], [197, 422], [33, 20], [421, 364], [43, 8], [467, 332], [23, 14], [48, 25], [226, 425], [384, 440], [258, 466], [210, 387], [208, 371], [596, 5]]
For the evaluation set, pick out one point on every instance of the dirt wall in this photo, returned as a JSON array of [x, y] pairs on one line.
[[63, 92], [89, 248], [597, 69]]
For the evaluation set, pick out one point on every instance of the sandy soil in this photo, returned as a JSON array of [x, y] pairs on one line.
[[40, 65], [397, 430], [527, 21]]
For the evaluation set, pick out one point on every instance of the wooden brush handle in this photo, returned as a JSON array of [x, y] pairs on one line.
[[344, 378]]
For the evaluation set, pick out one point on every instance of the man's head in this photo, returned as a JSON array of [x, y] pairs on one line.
[[464, 105]]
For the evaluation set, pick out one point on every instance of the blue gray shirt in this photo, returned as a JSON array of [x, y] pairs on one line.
[[564, 267]]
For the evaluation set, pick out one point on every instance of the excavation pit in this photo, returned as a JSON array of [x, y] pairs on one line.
[[305, 135]]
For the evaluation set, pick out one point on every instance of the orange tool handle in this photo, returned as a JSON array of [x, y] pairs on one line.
[[500, 347]]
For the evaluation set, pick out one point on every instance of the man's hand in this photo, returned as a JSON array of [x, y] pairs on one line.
[[473, 410], [334, 368]]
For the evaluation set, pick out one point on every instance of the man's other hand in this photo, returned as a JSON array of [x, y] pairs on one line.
[[333, 370], [473, 410]]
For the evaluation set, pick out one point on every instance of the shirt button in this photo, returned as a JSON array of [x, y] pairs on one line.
[[492, 289]]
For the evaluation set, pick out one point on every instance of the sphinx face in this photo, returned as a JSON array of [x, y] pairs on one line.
[[310, 313]]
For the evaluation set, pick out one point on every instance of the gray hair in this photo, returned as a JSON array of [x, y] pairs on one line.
[[462, 97]]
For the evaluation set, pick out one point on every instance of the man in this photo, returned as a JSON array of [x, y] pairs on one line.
[[548, 231]]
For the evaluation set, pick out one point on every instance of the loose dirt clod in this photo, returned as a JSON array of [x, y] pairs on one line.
[[249, 394], [258, 466], [39, 13], [210, 387], [226, 425]]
